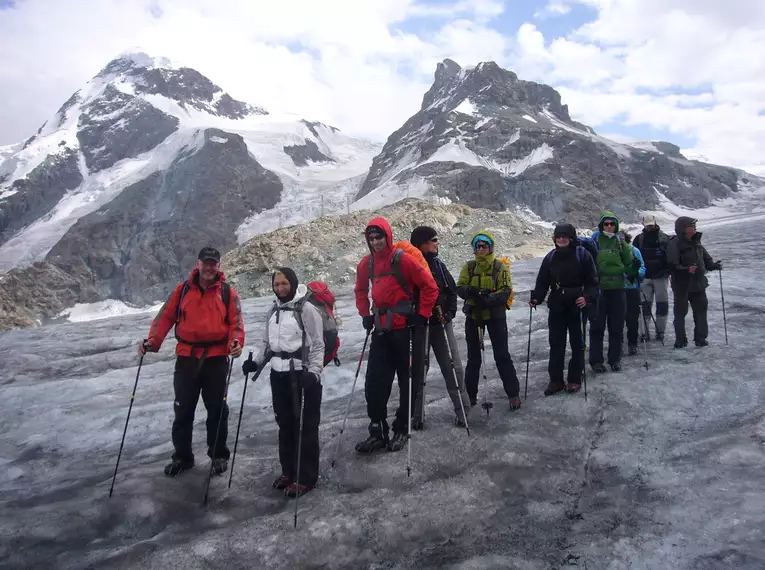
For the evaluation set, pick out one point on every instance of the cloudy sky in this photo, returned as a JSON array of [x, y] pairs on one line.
[[688, 71]]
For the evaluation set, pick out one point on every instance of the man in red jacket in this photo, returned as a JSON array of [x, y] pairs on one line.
[[207, 316], [403, 296]]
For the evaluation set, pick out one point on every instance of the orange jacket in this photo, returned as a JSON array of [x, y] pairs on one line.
[[386, 291], [202, 319]]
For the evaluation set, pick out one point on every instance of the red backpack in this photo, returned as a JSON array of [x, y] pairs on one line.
[[320, 296]]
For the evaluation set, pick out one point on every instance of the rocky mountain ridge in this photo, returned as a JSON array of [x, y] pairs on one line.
[[146, 164], [484, 137]]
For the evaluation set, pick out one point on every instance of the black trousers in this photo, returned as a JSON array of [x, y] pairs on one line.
[[632, 315], [286, 399], [190, 379], [388, 357], [497, 329], [612, 305], [563, 323], [699, 304]]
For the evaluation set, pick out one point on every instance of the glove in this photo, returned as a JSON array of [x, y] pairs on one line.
[[474, 291], [249, 366], [308, 380], [484, 292], [636, 263], [533, 303], [717, 266], [368, 322]]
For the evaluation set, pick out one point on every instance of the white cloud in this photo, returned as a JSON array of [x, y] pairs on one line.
[[691, 67], [342, 61]]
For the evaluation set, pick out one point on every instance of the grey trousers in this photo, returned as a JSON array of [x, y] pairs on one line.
[[445, 349], [658, 288]]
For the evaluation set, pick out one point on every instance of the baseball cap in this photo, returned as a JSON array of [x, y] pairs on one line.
[[209, 253], [649, 220]]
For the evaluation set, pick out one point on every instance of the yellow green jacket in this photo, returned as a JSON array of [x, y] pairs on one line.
[[486, 284]]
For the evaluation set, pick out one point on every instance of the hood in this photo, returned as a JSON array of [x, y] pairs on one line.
[[291, 276], [683, 222], [564, 230], [383, 224], [483, 234], [606, 215]]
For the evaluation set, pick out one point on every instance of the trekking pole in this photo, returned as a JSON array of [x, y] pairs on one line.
[[350, 399], [722, 298], [645, 302], [130, 408], [486, 405], [425, 374], [241, 411], [217, 431], [645, 343], [528, 352], [299, 450], [583, 316], [409, 403]]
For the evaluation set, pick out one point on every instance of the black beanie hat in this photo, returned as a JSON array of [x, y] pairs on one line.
[[291, 277], [564, 230], [422, 235]]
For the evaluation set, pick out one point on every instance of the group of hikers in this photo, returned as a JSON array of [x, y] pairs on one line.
[[407, 300]]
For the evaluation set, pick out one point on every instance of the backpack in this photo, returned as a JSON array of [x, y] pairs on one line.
[[498, 261], [225, 293], [320, 296], [400, 248]]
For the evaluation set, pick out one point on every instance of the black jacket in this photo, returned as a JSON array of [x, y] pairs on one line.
[[566, 278], [447, 289], [682, 253], [653, 247]]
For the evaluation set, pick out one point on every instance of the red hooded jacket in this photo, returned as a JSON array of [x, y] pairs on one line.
[[386, 291], [202, 319]]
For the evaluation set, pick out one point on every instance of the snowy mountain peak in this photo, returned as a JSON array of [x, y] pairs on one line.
[[492, 91], [134, 60]]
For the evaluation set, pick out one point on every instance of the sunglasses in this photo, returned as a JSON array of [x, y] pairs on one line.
[[609, 224], [376, 237], [482, 245], [434, 240]]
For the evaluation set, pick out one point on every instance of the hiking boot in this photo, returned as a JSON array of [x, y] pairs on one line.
[[297, 490], [599, 368], [371, 444], [515, 403], [398, 441], [632, 350], [573, 388], [616, 366], [459, 421], [418, 425], [178, 466], [681, 343], [281, 483], [473, 402], [219, 466], [554, 388], [645, 338], [701, 342], [659, 337]]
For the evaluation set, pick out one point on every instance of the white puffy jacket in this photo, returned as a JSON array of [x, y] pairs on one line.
[[283, 334]]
